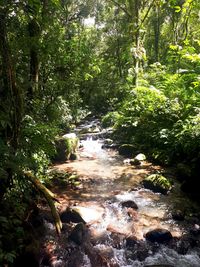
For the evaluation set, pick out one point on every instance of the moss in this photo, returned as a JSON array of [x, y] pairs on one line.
[[157, 183], [71, 146], [65, 147]]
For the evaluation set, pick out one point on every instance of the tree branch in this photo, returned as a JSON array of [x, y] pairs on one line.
[[121, 7], [146, 15], [49, 197]]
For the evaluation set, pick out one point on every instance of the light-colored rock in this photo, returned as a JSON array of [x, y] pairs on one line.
[[90, 214], [140, 157]]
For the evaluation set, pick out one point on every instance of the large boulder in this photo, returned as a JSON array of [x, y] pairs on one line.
[[79, 234], [159, 235], [157, 183], [131, 241], [90, 214], [70, 215], [66, 147], [129, 204], [140, 157], [137, 250]]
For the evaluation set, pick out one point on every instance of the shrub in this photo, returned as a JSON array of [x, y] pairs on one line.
[[110, 119]]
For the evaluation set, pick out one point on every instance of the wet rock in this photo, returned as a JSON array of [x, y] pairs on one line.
[[131, 241], [110, 146], [178, 215], [108, 141], [159, 235], [140, 157], [129, 204], [52, 261], [115, 230], [186, 243], [133, 214], [140, 251], [159, 265], [135, 162], [127, 150], [182, 246], [98, 258], [65, 146], [70, 215], [189, 240], [79, 234], [90, 214], [73, 156], [195, 230], [157, 183], [117, 240], [75, 259], [97, 237]]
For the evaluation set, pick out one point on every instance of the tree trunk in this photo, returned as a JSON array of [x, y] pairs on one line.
[[137, 43], [11, 91], [13, 96], [34, 30], [119, 65], [156, 33], [49, 196]]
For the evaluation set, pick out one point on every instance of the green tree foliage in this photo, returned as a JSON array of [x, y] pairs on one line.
[[139, 61]]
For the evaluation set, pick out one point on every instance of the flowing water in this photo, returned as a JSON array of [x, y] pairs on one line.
[[106, 182]]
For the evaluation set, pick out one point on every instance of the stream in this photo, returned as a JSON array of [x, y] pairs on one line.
[[115, 235]]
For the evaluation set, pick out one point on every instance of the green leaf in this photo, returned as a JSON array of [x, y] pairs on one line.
[[177, 9]]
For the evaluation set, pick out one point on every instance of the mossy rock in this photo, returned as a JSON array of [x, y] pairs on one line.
[[140, 157], [135, 162], [127, 150], [73, 156], [157, 183], [60, 177], [65, 147]]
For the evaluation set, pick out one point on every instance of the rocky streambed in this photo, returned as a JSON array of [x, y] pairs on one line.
[[110, 218]]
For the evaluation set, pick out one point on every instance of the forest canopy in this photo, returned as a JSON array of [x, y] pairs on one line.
[[134, 62]]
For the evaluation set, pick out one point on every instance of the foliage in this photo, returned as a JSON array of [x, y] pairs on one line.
[[61, 178], [110, 119], [158, 183], [12, 231], [138, 63]]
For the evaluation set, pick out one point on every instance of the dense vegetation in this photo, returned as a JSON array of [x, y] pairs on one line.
[[137, 62]]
